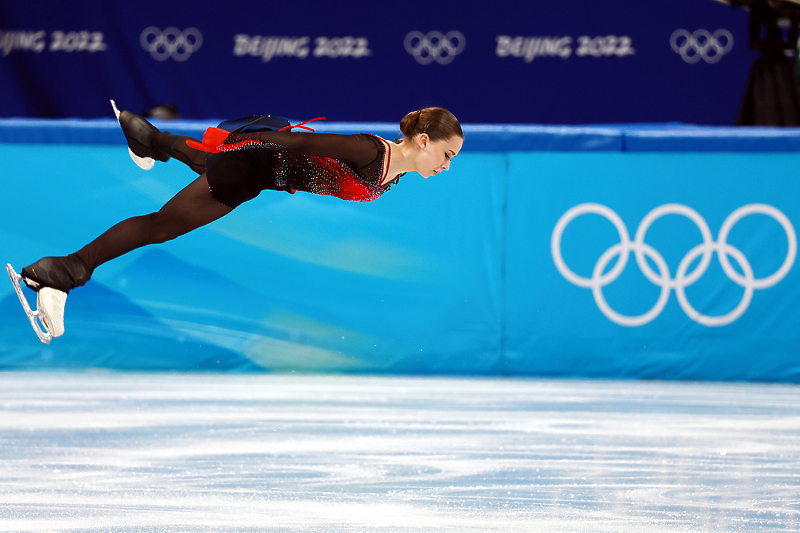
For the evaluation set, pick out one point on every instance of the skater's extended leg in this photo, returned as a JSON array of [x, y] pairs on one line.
[[191, 208], [54, 277]]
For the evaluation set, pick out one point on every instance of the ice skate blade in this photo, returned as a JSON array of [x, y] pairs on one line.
[[145, 163], [33, 316]]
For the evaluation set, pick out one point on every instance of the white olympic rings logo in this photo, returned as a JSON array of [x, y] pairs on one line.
[[682, 278], [172, 42], [702, 44], [435, 46]]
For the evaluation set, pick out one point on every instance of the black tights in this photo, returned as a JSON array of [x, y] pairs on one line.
[[175, 146], [191, 208]]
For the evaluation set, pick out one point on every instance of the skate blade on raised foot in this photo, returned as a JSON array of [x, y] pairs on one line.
[[35, 318], [145, 163]]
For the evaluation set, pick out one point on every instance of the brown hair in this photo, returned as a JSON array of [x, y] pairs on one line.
[[437, 122]]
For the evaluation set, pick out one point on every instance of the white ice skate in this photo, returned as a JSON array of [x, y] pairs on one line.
[[145, 163], [48, 318]]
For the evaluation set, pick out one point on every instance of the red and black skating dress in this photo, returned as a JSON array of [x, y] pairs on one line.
[[350, 167]]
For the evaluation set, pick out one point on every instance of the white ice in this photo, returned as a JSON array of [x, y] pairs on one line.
[[176, 452]]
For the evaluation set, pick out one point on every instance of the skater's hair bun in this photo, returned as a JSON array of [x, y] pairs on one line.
[[437, 122]]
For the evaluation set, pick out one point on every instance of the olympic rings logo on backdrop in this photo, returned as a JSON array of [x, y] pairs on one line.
[[171, 43], [682, 278], [435, 46], [702, 44]]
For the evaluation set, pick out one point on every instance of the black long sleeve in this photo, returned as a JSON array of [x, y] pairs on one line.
[[357, 149]]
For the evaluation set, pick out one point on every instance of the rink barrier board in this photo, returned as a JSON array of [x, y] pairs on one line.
[[456, 275]]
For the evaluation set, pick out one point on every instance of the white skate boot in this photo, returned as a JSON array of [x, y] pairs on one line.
[[50, 306], [48, 318], [52, 278]]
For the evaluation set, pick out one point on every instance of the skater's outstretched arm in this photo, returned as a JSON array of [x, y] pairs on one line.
[[354, 148]]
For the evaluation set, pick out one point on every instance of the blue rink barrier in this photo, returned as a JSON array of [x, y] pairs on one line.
[[650, 251]]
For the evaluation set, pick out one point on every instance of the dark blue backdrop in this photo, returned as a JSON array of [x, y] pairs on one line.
[[504, 62]]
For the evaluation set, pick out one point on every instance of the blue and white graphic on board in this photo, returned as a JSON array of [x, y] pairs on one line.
[[663, 265], [686, 274]]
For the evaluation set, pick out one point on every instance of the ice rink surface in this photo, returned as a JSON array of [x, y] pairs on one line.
[[246, 453]]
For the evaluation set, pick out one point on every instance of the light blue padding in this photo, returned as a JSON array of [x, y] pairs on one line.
[[409, 283], [451, 275], [556, 327]]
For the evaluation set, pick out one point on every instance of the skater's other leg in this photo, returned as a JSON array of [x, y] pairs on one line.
[[190, 209], [139, 133], [147, 144], [175, 146]]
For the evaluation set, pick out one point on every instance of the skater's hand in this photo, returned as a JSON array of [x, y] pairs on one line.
[[217, 140]]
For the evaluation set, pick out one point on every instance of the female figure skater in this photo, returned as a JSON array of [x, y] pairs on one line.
[[234, 168]]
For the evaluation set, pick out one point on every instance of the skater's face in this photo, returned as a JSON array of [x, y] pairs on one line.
[[435, 156]]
